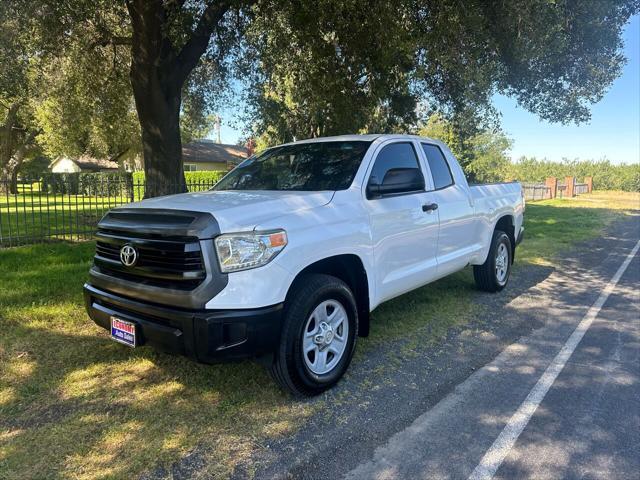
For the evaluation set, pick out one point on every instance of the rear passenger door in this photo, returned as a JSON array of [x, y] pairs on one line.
[[404, 232], [457, 239]]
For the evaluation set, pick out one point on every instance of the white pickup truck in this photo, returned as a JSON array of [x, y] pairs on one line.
[[284, 259]]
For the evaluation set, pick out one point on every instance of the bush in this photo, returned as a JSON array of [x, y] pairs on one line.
[[196, 181], [99, 184], [105, 184], [199, 181], [61, 183]]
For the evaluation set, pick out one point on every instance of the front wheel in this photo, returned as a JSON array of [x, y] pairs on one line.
[[318, 335], [493, 274]]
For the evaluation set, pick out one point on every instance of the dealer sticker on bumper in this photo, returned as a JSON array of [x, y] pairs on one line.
[[123, 332]]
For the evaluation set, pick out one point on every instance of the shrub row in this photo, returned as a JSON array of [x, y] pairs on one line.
[[117, 184], [195, 180], [111, 184], [606, 176]]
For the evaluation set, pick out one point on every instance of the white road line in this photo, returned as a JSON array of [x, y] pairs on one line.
[[494, 457]]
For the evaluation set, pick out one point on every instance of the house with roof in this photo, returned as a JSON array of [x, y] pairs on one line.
[[83, 164], [196, 155], [208, 155]]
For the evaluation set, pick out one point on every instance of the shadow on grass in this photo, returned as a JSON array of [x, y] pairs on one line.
[[79, 404], [75, 404]]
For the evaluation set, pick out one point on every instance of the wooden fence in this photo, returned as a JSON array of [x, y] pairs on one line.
[[552, 189]]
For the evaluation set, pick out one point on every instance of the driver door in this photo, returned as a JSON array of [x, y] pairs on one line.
[[404, 229]]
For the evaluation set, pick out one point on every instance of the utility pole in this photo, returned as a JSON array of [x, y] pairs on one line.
[[217, 123]]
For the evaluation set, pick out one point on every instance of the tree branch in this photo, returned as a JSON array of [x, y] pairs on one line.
[[147, 20], [176, 4], [12, 115], [197, 44], [104, 36], [111, 40]]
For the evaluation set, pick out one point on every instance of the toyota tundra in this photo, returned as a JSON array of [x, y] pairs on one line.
[[285, 258]]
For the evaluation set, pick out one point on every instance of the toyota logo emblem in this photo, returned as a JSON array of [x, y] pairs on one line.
[[128, 255]]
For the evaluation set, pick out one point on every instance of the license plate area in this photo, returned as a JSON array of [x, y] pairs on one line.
[[123, 331]]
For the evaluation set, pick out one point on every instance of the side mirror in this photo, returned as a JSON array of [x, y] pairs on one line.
[[396, 180]]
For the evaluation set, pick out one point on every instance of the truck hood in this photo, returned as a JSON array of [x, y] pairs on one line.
[[237, 210]]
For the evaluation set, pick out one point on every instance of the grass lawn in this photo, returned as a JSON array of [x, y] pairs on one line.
[[29, 216], [74, 404]]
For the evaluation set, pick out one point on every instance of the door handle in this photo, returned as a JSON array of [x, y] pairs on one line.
[[428, 207]]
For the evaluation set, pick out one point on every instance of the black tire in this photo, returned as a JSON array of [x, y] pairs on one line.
[[289, 368], [485, 275]]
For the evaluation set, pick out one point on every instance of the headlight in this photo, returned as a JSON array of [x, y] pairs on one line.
[[241, 251]]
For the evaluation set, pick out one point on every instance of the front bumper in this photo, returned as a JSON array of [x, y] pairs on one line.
[[207, 336]]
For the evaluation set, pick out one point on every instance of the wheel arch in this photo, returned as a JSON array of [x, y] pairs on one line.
[[350, 269], [506, 224]]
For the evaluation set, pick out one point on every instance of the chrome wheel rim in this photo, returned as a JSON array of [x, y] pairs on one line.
[[325, 335], [502, 264]]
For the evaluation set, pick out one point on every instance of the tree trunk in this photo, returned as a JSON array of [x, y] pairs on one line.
[[7, 143], [13, 187], [18, 159], [158, 72], [158, 99], [159, 115]]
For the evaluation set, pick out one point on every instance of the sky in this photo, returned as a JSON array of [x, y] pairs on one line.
[[613, 131]]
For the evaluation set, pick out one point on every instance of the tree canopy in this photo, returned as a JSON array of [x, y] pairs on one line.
[[339, 64], [327, 67], [106, 76]]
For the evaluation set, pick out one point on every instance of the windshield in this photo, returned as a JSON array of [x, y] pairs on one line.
[[305, 167]]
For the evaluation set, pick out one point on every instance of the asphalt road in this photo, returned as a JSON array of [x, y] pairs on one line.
[[438, 413], [586, 426]]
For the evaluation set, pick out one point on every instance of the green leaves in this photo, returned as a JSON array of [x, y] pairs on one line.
[[321, 69], [308, 68], [606, 175], [332, 67]]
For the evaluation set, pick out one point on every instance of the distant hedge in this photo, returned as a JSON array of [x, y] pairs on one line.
[[111, 184], [118, 184], [196, 181]]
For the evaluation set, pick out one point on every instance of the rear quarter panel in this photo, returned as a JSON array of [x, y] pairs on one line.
[[492, 202]]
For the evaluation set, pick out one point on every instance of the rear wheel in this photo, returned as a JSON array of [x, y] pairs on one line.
[[493, 274], [318, 335]]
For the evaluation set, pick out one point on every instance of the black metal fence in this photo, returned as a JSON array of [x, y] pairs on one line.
[[68, 207], [57, 208]]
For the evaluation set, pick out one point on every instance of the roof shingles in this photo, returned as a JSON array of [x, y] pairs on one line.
[[208, 151]]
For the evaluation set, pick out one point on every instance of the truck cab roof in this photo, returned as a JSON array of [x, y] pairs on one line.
[[370, 137]]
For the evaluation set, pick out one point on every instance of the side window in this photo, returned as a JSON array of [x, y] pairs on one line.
[[438, 165], [396, 155]]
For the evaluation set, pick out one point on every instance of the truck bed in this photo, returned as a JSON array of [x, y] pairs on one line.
[[499, 189]]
